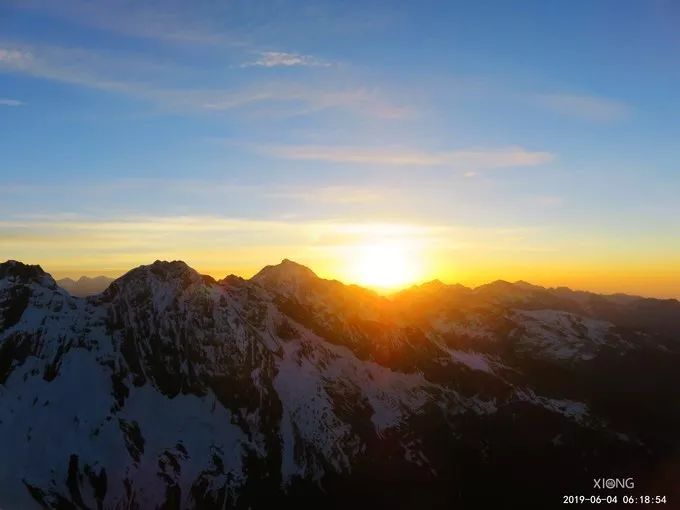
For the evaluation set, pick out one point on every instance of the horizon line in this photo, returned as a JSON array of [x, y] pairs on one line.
[[384, 291]]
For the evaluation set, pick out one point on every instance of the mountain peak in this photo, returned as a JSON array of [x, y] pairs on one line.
[[433, 284], [20, 270], [100, 278], [285, 270], [292, 265], [285, 277], [164, 269], [522, 284], [176, 275], [85, 285], [24, 273]]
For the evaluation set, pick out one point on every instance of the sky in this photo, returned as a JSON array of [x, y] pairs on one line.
[[378, 142]]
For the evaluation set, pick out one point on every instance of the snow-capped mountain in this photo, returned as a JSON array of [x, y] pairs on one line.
[[173, 390]]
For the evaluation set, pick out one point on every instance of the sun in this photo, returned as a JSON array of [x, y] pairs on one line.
[[385, 265]]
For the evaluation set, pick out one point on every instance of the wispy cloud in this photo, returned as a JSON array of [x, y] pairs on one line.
[[99, 70], [170, 20], [295, 98], [148, 80], [284, 59], [11, 102], [15, 58], [466, 159], [591, 108], [330, 194], [337, 194], [219, 244]]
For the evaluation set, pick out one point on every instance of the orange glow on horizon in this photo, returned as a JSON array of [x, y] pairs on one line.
[[354, 267], [384, 256], [385, 265]]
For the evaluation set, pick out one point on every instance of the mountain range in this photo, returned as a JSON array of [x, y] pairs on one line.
[[170, 389], [85, 286]]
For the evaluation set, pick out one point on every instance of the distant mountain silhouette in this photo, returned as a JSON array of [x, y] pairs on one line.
[[85, 286], [172, 390]]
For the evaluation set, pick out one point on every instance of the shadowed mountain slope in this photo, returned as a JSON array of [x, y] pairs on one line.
[[170, 389]]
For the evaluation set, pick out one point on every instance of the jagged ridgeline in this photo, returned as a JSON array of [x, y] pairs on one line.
[[173, 390]]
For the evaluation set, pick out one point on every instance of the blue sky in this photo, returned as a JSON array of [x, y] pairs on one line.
[[533, 140]]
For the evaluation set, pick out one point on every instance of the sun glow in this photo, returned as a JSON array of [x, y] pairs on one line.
[[385, 265]]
